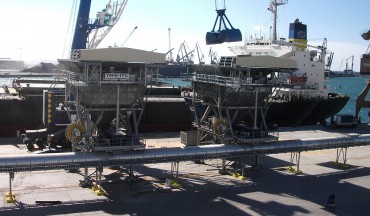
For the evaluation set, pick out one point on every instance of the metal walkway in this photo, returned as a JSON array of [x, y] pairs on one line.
[[14, 163]]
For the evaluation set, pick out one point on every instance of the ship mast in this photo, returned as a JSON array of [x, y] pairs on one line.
[[273, 8]]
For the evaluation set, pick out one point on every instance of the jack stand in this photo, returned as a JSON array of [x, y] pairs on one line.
[[175, 168], [10, 197], [97, 187], [295, 156], [341, 152]]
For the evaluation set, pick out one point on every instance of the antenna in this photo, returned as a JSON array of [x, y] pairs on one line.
[[170, 59], [273, 8]]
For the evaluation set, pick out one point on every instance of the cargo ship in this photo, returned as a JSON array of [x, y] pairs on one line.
[[303, 98]]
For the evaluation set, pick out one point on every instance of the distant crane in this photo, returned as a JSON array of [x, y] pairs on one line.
[[349, 70], [128, 37], [214, 56], [329, 61], [186, 54], [199, 53]]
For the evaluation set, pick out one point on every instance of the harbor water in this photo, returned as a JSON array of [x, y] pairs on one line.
[[351, 86]]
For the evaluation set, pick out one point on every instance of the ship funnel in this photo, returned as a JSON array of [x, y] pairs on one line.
[[223, 34], [298, 34]]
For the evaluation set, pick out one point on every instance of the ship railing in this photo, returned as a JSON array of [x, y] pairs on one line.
[[69, 76], [164, 96], [75, 78], [255, 134], [118, 144], [222, 80]]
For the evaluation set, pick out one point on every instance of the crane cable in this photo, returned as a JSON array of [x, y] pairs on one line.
[[72, 16]]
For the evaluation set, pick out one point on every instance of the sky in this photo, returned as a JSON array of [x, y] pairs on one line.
[[37, 31]]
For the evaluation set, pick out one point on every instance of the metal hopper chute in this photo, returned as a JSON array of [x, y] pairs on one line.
[[226, 32]]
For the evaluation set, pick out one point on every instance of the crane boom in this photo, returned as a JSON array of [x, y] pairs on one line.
[[115, 10], [128, 37]]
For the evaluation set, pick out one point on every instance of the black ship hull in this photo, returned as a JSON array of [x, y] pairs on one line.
[[304, 112], [19, 114], [161, 114], [170, 114]]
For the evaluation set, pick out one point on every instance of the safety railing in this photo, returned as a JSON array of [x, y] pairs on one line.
[[118, 143]]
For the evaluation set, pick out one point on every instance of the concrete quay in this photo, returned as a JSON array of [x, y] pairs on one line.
[[269, 190]]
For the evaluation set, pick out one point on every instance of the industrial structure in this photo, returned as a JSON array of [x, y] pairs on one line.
[[101, 107], [238, 90]]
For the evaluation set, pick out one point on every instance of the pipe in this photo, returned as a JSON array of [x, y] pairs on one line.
[[12, 163]]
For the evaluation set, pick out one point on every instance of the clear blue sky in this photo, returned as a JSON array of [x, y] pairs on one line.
[[37, 30]]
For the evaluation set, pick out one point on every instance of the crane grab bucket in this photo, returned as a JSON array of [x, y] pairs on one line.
[[223, 34]]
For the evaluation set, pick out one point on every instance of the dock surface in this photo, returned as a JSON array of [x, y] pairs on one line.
[[269, 190]]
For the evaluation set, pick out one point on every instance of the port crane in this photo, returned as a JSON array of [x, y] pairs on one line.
[[185, 54], [199, 53], [329, 61], [114, 11], [214, 56], [89, 34], [349, 70]]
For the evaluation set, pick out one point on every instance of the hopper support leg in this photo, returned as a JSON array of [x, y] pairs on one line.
[[175, 169], [341, 154], [295, 157], [87, 181], [10, 197], [223, 169], [257, 162], [97, 188], [131, 176]]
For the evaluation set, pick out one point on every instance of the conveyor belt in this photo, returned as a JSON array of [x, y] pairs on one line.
[[18, 163]]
